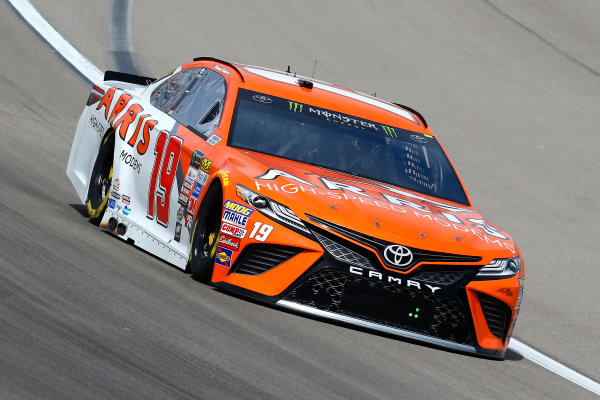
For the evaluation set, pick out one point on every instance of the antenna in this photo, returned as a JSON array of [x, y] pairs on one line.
[[289, 70], [315, 67]]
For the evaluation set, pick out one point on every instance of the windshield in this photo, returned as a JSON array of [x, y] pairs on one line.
[[333, 140]]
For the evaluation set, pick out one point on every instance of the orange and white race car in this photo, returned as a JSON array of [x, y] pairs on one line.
[[299, 193]]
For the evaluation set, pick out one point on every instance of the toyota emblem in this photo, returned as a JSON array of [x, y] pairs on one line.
[[262, 99], [419, 139], [397, 255]]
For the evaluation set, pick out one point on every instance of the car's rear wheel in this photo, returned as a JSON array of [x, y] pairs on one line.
[[101, 179], [205, 236]]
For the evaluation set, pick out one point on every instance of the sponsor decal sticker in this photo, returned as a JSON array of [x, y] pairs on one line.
[[114, 194], [235, 218], [116, 185], [196, 190], [191, 174], [126, 200], [180, 214], [505, 291], [223, 70], [295, 107], [196, 157], [94, 123], [233, 230], [177, 231], [111, 203], [229, 241], [214, 139], [189, 221], [238, 208], [205, 165], [202, 177], [224, 256], [185, 191], [126, 210], [225, 177]]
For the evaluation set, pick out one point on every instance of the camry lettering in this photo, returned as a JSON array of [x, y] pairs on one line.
[[391, 279]]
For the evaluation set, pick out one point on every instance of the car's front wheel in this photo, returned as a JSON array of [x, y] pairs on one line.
[[205, 236], [101, 179]]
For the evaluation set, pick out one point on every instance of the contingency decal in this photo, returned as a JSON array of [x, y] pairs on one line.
[[229, 242], [190, 191], [236, 214], [233, 230], [224, 256], [205, 165]]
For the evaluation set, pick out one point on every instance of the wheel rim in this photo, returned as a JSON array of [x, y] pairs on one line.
[[209, 238]]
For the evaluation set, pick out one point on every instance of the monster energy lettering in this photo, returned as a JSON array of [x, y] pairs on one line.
[[295, 107], [390, 131]]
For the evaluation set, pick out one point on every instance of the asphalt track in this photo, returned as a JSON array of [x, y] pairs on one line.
[[512, 89]]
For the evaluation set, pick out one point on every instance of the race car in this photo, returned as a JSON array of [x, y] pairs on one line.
[[299, 193]]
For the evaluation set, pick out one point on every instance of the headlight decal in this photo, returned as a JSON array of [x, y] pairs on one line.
[[271, 208], [500, 268]]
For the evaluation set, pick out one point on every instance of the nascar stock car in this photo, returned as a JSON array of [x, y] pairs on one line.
[[299, 193]]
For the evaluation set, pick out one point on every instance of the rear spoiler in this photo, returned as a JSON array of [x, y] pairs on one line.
[[129, 78]]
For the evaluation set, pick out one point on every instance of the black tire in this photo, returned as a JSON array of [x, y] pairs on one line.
[[205, 236], [101, 179]]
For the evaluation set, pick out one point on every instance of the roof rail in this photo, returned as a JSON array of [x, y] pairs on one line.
[[412, 110], [222, 62]]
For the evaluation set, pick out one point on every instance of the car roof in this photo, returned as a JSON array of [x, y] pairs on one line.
[[322, 94]]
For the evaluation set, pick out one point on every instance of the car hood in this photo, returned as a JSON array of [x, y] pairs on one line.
[[377, 209]]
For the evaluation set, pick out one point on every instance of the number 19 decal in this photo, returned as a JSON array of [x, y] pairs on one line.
[[260, 231], [163, 175]]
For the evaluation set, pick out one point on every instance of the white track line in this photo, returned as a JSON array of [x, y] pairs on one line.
[[56, 41], [554, 366], [89, 70]]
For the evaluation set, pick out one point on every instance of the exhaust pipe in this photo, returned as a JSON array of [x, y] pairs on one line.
[[121, 229], [112, 224]]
